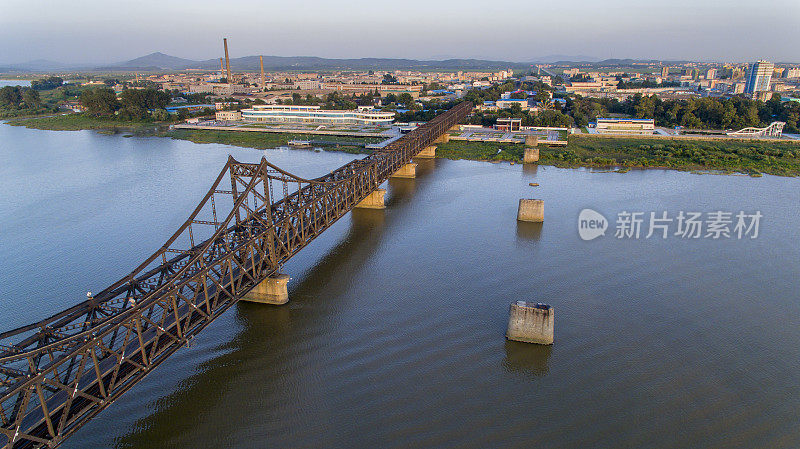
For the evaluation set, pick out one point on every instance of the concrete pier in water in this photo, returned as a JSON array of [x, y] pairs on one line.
[[531, 210], [374, 200], [531, 152], [530, 323], [272, 290], [427, 153], [407, 171], [530, 156]]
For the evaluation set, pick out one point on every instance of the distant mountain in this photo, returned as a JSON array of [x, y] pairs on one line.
[[155, 60], [550, 59], [317, 63], [161, 61], [624, 62]]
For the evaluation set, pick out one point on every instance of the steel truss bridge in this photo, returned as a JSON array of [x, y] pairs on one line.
[[58, 373]]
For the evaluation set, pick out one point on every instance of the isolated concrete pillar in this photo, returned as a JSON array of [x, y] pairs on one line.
[[427, 153], [406, 171], [531, 210], [530, 323], [531, 141], [272, 290], [531, 155], [374, 200]]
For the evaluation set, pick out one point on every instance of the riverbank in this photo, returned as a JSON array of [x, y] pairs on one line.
[[752, 157], [259, 140], [262, 140], [77, 122]]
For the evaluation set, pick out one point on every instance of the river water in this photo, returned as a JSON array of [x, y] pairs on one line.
[[23, 83], [394, 334]]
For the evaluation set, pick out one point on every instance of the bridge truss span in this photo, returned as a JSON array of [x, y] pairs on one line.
[[58, 373]]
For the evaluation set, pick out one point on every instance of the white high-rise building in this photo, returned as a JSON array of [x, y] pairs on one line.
[[759, 76]]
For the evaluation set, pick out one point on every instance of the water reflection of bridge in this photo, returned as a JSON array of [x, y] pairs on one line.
[[58, 373]]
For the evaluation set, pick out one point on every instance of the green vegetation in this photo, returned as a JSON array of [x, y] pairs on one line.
[[49, 83], [18, 101], [700, 113], [493, 93], [480, 151], [729, 156], [264, 140], [44, 97], [133, 104], [75, 122], [644, 84]]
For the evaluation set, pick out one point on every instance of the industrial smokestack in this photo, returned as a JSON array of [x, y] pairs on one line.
[[261, 58], [227, 60]]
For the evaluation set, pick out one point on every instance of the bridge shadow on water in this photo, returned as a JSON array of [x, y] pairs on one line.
[[270, 346]]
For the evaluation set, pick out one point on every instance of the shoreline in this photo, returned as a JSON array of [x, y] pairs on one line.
[[618, 154]]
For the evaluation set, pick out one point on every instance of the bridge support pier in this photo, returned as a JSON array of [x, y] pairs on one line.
[[531, 323], [407, 171], [271, 290], [374, 200], [427, 153], [531, 210], [444, 138], [531, 141], [531, 155]]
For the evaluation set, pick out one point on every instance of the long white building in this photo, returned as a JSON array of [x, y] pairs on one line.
[[364, 115], [625, 126]]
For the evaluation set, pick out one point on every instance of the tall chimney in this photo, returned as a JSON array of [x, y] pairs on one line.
[[227, 61], [261, 58]]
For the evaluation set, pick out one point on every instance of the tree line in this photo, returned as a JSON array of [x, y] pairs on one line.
[[133, 104], [699, 113], [49, 83], [17, 100]]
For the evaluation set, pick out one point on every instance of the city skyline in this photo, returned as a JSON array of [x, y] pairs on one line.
[[89, 32]]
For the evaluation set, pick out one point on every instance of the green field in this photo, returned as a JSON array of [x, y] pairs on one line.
[[729, 156]]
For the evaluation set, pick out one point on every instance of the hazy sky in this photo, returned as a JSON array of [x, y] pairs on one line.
[[90, 31]]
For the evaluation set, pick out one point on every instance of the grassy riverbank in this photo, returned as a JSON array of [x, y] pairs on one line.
[[260, 140], [731, 156], [76, 122], [263, 140]]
